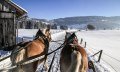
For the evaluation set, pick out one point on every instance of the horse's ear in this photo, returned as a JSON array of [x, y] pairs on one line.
[[39, 30], [39, 33]]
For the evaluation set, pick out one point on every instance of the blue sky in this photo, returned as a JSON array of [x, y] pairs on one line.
[[51, 9]]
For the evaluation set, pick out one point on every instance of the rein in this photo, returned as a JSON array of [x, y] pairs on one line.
[[33, 58], [36, 57], [46, 42], [46, 45], [47, 53], [57, 41]]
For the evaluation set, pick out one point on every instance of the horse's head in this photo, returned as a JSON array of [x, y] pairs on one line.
[[44, 33], [71, 41], [70, 37], [68, 34], [39, 34], [47, 33]]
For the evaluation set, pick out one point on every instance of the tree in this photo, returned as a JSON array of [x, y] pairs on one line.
[[63, 27], [90, 27]]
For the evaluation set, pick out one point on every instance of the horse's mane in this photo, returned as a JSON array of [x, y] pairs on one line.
[[67, 45], [39, 34], [70, 38]]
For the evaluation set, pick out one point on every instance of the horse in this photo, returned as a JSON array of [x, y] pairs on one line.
[[73, 57], [39, 46]]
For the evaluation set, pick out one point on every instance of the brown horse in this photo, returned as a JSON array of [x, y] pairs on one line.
[[73, 56], [39, 46]]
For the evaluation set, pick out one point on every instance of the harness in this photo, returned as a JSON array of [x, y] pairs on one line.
[[40, 35], [44, 41]]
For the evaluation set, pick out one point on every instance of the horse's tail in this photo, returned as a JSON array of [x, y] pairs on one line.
[[76, 59], [76, 56], [18, 56]]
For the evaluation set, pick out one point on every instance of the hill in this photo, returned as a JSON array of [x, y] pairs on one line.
[[100, 22]]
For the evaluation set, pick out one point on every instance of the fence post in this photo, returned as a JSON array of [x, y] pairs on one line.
[[81, 41], [85, 45], [33, 37], [100, 55]]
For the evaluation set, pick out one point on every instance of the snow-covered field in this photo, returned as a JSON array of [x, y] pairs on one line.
[[28, 34], [107, 40]]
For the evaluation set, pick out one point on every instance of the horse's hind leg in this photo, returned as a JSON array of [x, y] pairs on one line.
[[46, 67], [35, 64]]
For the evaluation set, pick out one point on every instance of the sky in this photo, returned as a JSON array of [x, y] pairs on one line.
[[52, 9]]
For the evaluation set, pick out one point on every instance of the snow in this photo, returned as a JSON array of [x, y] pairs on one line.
[[6, 63], [106, 40], [32, 32], [28, 34]]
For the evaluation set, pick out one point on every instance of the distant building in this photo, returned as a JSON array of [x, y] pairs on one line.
[[9, 13]]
